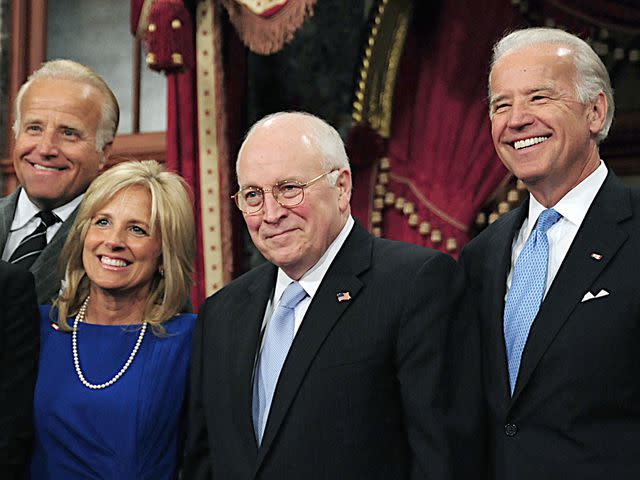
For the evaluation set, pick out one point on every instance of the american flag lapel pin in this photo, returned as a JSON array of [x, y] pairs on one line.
[[596, 256], [343, 296]]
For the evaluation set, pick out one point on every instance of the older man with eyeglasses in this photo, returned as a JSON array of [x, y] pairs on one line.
[[328, 361]]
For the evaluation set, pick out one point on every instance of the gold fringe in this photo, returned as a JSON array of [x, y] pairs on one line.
[[267, 36]]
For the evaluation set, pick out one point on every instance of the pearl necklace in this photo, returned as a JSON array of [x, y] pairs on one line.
[[76, 361]]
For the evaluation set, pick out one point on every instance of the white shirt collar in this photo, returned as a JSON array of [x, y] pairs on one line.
[[311, 280], [574, 205], [26, 210]]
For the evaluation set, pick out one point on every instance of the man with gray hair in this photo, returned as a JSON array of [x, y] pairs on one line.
[[555, 282], [328, 361], [65, 120]]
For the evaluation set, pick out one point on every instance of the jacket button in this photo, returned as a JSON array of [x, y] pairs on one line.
[[510, 429]]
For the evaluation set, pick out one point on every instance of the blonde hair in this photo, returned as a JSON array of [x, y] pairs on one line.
[[74, 71], [171, 216]]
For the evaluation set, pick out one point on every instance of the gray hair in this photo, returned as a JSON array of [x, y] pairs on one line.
[[70, 70], [323, 136], [591, 74]]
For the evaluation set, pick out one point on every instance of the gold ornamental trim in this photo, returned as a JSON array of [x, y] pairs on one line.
[[210, 156], [377, 79]]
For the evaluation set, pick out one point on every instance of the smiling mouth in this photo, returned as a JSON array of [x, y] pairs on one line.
[[279, 234], [528, 142], [113, 262], [37, 166]]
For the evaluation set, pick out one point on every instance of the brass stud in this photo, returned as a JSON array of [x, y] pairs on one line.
[[360, 96], [376, 217], [503, 207], [380, 190], [414, 219], [176, 58], [378, 203], [399, 203], [389, 198], [384, 163], [367, 51], [520, 185], [425, 228], [451, 244], [493, 217], [436, 236], [513, 196], [176, 23], [152, 27], [383, 178], [151, 59], [357, 106], [376, 231], [408, 208], [481, 219]]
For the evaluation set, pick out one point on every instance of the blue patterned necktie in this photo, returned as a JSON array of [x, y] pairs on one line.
[[277, 341], [527, 290]]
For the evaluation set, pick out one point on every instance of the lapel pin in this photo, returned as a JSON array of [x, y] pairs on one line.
[[596, 256], [343, 296], [55, 326]]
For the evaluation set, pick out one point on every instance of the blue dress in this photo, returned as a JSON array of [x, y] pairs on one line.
[[129, 430]]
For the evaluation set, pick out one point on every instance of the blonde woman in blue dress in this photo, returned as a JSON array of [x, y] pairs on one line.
[[115, 348]]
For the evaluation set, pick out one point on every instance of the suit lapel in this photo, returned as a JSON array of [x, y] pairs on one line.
[[247, 317], [599, 233], [7, 210], [325, 310], [498, 266]]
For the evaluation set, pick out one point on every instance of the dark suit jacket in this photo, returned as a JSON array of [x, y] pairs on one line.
[[45, 269], [19, 327], [575, 412], [361, 392]]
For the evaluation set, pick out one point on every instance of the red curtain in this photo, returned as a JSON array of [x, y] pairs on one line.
[[182, 156], [440, 150]]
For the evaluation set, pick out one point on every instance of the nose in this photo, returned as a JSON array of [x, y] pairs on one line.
[[272, 211], [115, 240], [519, 116], [48, 144]]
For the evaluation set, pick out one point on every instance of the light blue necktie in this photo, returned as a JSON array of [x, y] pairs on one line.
[[527, 290], [277, 341]]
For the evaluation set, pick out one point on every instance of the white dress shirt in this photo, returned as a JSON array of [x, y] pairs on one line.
[[310, 281], [573, 207], [25, 221]]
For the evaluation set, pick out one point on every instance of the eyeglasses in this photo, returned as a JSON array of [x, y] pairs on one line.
[[287, 193]]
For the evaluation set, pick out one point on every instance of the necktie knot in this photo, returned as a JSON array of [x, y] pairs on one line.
[[546, 220], [48, 217], [292, 295]]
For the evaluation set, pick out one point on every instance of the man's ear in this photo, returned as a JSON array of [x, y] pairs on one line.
[[106, 154], [343, 184], [598, 113]]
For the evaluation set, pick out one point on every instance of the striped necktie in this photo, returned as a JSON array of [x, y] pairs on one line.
[[30, 247]]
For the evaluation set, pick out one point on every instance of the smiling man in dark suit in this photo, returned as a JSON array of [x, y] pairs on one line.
[[18, 367], [327, 361], [555, 282], [65, 120]]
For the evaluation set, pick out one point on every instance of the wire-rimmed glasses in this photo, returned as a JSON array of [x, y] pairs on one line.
[[287, 193]]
